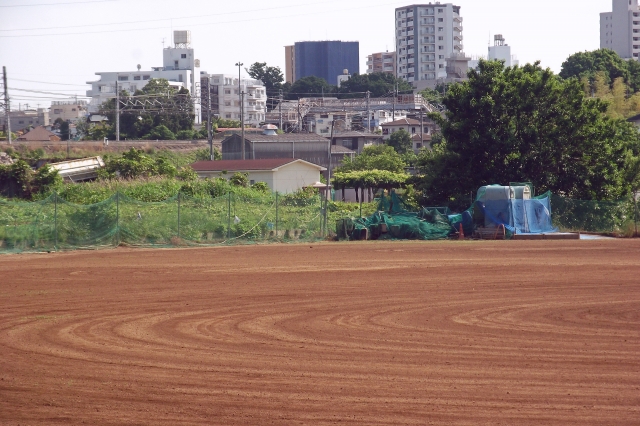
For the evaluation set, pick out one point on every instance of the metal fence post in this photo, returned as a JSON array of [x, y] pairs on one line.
[[229, 216], [117, 218], [55, 220], [276, 215], [178, 214], [635, 203]]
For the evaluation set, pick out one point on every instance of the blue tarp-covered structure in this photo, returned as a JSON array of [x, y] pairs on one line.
[[513, 207]]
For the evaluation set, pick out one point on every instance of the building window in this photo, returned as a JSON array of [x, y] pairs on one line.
[[227, 91], [57, 111], [21, 122], [440, 10], [123, 78], [440, 19], [183, 56], [136, 77], [252, 182], [227, 115], [227, 103], [146, 77], [441, 38], [73, 109]]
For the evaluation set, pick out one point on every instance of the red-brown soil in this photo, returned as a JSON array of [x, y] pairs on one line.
[[464, 333]]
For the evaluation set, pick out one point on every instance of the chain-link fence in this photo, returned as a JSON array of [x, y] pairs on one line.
[[620, 218], [54, 224]]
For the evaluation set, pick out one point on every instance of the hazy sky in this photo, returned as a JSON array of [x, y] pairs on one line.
[[59, 45]]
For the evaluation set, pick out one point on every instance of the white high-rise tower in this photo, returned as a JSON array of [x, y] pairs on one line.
[[620, 29], [426, 36]]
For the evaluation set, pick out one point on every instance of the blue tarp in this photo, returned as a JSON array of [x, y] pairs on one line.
[[520, 216]]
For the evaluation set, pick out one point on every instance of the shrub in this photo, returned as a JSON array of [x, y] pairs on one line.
[[261, 187]]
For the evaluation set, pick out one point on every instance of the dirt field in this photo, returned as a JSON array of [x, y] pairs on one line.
[[463, 333]]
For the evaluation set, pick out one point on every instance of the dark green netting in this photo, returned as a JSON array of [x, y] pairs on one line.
[[54, 224], [395, 220]]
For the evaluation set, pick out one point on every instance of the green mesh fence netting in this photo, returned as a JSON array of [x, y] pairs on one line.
[[54, 224], [611, 217]]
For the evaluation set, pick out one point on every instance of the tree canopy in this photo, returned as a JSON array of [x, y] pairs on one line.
[[172, 113], [310, 86], [271, 77], [526, 124], [375, 157], [401, 141], [378, 84], [588, 64]]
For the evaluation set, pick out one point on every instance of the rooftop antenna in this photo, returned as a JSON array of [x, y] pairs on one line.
[[163, 42]]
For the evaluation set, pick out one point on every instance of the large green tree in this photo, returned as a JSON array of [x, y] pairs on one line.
[[377, 84], [271, 77], [157, 104], [310, 86], [374, 157], [526, 124], [401, 141], [587, 64]]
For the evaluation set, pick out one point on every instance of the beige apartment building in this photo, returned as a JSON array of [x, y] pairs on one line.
[[68, 110], [620, 29], [382, 62], [290, 64]]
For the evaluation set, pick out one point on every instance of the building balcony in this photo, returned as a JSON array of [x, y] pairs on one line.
[[410, 15], [457, 27], [410, 52], [410, 33], [411, 70]]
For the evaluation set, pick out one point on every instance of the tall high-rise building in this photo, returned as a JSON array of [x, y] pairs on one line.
[[620, 29], [324, 59], [426, 36]]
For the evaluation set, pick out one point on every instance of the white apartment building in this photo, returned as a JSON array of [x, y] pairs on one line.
[[225, 97], [426, 35], [620, 29], [180, 68]]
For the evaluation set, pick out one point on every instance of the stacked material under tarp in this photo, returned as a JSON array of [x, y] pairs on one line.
[[513, 207], [395, 220]]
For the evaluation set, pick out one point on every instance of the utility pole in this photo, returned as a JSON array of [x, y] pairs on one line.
[[280, 109], [395, 97], [209, 132], [421, 128], [242, 123], [239, 65], [368, 112], [117, 112], [7, 105]]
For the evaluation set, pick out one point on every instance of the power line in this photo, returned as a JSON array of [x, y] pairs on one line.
[[46, 93], [178, 18], [191, 25], [56, 4], [49, 82]]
